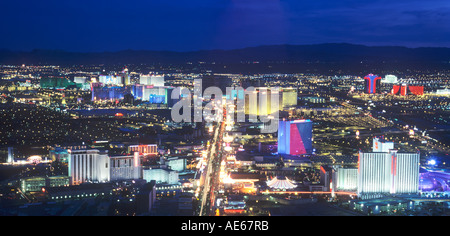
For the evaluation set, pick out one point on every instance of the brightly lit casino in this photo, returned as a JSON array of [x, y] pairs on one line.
[[295, 137], [386, 171], [372, 84]]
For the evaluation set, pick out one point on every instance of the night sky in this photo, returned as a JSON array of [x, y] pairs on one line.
[[187, 25]]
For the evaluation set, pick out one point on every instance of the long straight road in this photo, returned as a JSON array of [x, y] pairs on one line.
[[211, 174]]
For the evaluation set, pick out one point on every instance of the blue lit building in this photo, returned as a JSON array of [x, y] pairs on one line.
[[146, 93], [109, 92], [152, 94]]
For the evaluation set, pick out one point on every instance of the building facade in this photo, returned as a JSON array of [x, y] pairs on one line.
[[381, 173], [155, 80], [88, 166], [144, 149], [37, 184], [266, 100], [381, 145], [372, 84], [346, 179], [178, 164], [59, 154], [111, 79], [109, 92], [125, 167], [295, 137], [161, 176], [10, 155]]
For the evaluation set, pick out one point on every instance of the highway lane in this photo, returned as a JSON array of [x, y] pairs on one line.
[[209, 171], [212, 171]]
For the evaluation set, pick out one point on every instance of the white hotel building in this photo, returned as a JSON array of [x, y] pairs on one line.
[[88, 166], [125, 167], [161, 175], [155, 80], [345, 179], [95, 166], [382, 173]]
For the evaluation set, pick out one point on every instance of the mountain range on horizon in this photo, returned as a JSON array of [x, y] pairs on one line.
[[332, 53]]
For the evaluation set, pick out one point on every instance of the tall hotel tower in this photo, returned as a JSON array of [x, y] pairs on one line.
[[10, 155], [295, 137], [88, 166], [125, 167], [384, 172], [372, 83]]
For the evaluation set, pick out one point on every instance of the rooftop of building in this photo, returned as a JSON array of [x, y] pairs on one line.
[[96, 150], [281, 182]]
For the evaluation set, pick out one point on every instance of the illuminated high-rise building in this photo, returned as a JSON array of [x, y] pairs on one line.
[[406, 89], [381, 145], [288, 97], [261, 102], [381, 173], [88, 166], [110, 79], [10, 155], [125, 167], [345, 179], [161, 175], [258, 102], [126, 77], [153, 94], [372, 83], [416, 90], [80, 80], [390, 79], [295, 137], [55, 82], [109, 92], [155, 80], [178, 164], [60, 155]]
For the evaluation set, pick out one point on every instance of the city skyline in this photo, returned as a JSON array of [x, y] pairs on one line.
[[225, 108]]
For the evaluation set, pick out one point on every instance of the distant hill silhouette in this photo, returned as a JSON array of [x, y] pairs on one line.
[[342, 54]]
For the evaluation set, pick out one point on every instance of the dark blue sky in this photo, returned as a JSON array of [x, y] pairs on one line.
[[185, 25]]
